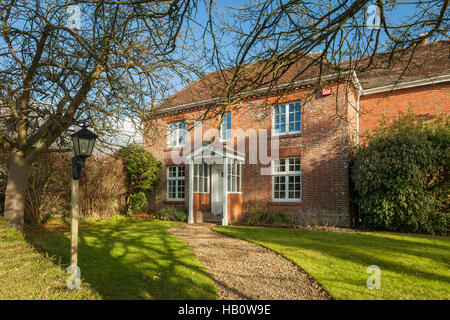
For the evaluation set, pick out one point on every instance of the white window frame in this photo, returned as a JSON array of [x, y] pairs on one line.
[[287, 173], [221, 128], [177, 178], [204, 176], [178, 132], [234, 176], [286, 106]]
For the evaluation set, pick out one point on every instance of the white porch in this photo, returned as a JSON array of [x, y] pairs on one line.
[[214, 174]]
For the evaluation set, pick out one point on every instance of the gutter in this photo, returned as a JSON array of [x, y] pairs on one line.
[[408, 84]]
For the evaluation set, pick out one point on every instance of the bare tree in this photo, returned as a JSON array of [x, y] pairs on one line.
[[121, 58], [271, 42], [57, 71]]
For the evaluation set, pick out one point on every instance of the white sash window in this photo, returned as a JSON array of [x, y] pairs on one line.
[[175, 182], [287, 118], [234, 177], [201, 178], [225, 128], [177, 131], [286, 179]]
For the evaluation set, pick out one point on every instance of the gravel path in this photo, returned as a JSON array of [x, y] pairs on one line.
[[244, 270]]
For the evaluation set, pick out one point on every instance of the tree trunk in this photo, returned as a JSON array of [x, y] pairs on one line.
[[16, 190]]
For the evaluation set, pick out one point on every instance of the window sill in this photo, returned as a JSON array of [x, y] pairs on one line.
[[171, 148], [174, 201], [287, 135]]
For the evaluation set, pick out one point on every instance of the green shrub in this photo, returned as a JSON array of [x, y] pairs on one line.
[[171, 214], [438, 222], [401, 177], [266, 217], [137, 202], [142, 171], [141, 167]]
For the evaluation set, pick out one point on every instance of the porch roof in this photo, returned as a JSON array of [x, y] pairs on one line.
[[209, 151]]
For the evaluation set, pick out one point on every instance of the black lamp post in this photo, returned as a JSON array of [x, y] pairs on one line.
[[83, 144]]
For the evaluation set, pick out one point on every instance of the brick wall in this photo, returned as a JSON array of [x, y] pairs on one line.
[[323, 147], [202, 202], [234, 207], [328, 132], [428, 101]]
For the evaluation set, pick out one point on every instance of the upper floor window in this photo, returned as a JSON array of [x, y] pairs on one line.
[[287, 118], [225, 129], [177, 131]]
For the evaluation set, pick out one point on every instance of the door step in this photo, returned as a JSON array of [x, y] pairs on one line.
[[202, 217], [215, 219], [210, 217]]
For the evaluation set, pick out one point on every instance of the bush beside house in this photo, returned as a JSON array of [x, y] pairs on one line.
[[171, 214], [401, 177], [141, 176], [261, 217]]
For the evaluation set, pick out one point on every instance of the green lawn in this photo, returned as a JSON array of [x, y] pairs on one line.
[[412, 266], [130, 259], [27, 274]]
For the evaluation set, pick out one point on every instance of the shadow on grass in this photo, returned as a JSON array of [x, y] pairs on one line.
[[422, 257], [131, 260]]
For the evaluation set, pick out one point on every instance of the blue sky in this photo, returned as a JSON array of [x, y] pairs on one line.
[[399, 14], [396, 15]]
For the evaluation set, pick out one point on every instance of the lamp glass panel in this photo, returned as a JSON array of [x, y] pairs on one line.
[[84, 147], [76, 146], [91, 146]]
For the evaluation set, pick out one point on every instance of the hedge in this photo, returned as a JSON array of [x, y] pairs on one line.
[[401, 177]]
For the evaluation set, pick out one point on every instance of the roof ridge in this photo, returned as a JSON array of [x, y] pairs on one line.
[[430, 62]]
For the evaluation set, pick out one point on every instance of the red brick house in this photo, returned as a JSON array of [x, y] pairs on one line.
[[423, 88], [286, 151]]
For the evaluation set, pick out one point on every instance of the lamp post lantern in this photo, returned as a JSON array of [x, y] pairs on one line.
[[83, 144]]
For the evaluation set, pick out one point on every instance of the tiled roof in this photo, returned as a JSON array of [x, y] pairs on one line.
[[214, 85], [430, 60]]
